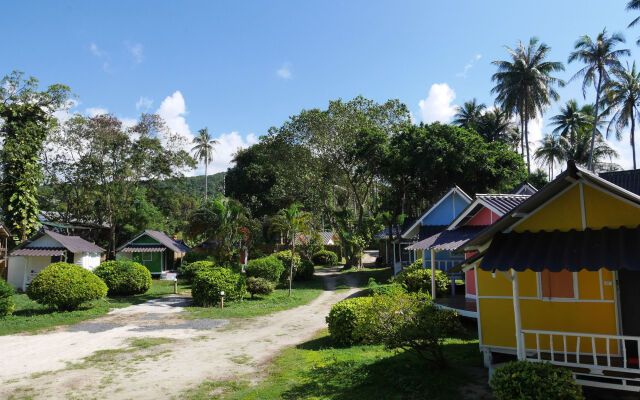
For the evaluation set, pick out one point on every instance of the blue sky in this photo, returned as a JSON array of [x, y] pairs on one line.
[[239, 67]]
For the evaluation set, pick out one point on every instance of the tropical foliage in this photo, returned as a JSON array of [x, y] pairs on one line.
[[203, 148]]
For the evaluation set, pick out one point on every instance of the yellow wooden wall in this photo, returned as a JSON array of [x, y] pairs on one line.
[[592, 312]]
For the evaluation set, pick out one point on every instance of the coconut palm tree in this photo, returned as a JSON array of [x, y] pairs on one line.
[[599, 57], [203, 151], [549, 152], [469, 114], [570, 120], [634, 5], [621, 98], [580, 151], [525, 85], [496, 125]]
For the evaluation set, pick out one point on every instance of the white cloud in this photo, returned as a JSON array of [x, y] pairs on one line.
[[285, 72], [173, 110], [625, 155], [468, 66], [128, 122], [438, 106], [135, 49], [93, 111], [144, 103], [229, 144], [101, 54], [96, 50]]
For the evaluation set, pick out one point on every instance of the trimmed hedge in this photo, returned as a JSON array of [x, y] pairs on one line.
[[417, 279], [65, 286], [193, 256], [346, 319], [525, 380], [259, 286], [306, 271], [325, 257], [188, 271], [285, 257], [124, 278], [208, 283], [269, 268], [6, 299]]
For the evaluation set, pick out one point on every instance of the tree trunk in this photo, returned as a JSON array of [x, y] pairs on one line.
[[522, 134], [293, 249], [595, 123], [633, 141], [206, 176], [526, 132]]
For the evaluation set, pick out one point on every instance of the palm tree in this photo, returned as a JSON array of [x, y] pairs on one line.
[[570, 120], [599, 57], [622, 95], [292, 222], [495, 125], [525, 85], [469, 114], [203, 151], [549, 152], [580, 151], [634, 5]]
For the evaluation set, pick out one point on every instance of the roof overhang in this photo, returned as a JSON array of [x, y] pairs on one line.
[[39, 251], [143, 249]]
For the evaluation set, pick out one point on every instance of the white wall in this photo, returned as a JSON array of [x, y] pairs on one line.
[[23, 269], [15, 273], [87, 260]]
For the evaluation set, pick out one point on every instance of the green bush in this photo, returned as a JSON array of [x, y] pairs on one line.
[[418, 279], [124, 278], [259, 286], [209, 282], [305, 271], [389, 288], [188, 270], [193, 256], [525, 380], [65, 286], [325, 257], [6, 299], [269, 268], [285, 257], [347, 321]]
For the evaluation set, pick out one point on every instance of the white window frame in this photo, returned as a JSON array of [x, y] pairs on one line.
[[576, 294]]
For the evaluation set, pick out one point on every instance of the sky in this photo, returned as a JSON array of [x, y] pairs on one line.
[[240, 67]]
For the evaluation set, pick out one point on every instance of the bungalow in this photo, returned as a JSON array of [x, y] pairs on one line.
[[558, 277], [153, 249], [329, 238], [30, 257]]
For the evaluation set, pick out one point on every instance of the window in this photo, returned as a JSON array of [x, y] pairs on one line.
[[147, 256], [557, 284]]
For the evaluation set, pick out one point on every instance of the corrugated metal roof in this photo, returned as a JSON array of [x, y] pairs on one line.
[[524, 188], [629, 180], [74, 244], [461, 266], [326, 236], [503, 203], [430, 230], [143, 249], [590, 249], [397, 230], [166, 241], [39, 251], [448, 239]]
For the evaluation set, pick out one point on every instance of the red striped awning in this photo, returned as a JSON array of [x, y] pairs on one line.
[[38, 251], [145, 249]]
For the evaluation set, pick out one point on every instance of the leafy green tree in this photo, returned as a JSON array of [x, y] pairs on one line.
[[570, 120], [549, 152], [634, 5], [496, 126], [203, 151], [601, 157], [525, 85], [599, 56], [26, 118], [469, 114]]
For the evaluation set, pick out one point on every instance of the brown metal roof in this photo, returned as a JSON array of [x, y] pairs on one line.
[[171, 244], [74, 244], [39, 251], [503, 203], [143, 249]]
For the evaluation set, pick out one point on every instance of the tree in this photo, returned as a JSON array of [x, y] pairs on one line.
[[203, 151], [525, 85], [570, 120], [599, 57], [550, 152], [622, 95], [580, 151], [26, 118], [634, 5], [496, 126], [292, 222], [469, 114]]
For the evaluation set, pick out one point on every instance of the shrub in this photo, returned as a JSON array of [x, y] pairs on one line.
[[347, 320], [306, 271], [193, 256], [269, 268], [534, 381], [209, 282], [65, 286], [389, 288], [124, 278], [285, 257], [418, 279], [325, 257], [6, 299], [259, 286], [188, 271]]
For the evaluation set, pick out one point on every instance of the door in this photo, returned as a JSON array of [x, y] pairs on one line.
[[629, 300]]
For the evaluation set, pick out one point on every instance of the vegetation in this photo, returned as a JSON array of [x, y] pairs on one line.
[[534, 381], [188, 270], [269, 268], [209, 285], [325, 257], [7, 305], [306, 270], [203, 151], [124, 278], [346, 320], [417, 279], [65, 286], [260, 286]]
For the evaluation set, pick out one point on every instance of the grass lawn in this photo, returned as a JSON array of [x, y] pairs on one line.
[[30, 316], [317, 370], [381, 275]]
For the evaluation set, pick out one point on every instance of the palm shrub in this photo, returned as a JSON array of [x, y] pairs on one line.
[[188, 271], [65, 286], [534, 381], [259, 286], [209, 282], [269, 268], [325, 257], [124, 278], [7, 304], [417, 279], [285, 257]]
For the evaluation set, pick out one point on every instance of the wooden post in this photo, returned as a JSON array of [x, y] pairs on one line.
[[433, 274], [175, 285], [520, 350]]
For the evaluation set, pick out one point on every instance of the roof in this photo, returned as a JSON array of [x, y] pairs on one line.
[[560, 183], [462, 266], [74, 244], [574, 250], [171, 244], [524, 188], [326, 236], [397, 230], [502, 203], [454, 189], [447, 239], [430, 230], [39, 251], [143, 249], [629, 180]]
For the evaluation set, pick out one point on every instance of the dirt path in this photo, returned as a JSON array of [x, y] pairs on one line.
[[148, 351]]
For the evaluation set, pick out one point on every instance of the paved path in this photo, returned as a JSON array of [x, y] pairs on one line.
[[55, 365]]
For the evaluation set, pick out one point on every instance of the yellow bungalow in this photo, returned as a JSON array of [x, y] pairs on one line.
[[558, 279]]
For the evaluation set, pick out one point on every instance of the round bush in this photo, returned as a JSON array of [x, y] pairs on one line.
[[208, 283], [524, 380], [285, 257], [6, 299], [417, 279], [65, 286], [193, 256], [325, 257], [305, 271], [269, 268], [344, 320], [188, 271], [124, 278], [259, 286]]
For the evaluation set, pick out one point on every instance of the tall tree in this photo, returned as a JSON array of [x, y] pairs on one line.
[[622, 95], [525, 85], [579, 151], [203, 151], [26, 118], [469, 114], [599, 57], [495, 125], [570, 120], [634, 5], [549, 152]]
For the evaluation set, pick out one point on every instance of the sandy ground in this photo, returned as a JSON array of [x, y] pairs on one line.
[[96, 359]]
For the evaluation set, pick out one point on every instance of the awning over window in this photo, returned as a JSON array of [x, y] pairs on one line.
[[38, 251], [612, 249], [145, 249]]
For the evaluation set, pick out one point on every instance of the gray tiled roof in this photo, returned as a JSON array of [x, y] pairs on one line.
[[167, 241], [74, 244], [502, 202], [447, 240]]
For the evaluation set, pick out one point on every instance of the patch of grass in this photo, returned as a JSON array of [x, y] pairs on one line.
[[303, 293], [145, 343], [241, 359], [30, 316], [213, 390], [381, 275]]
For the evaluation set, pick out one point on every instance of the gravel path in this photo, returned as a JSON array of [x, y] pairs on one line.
[[148, 351]]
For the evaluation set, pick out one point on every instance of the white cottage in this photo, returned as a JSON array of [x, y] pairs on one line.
[[27, 259]]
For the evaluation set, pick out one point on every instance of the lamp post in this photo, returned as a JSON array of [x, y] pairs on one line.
[[222, 299]]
